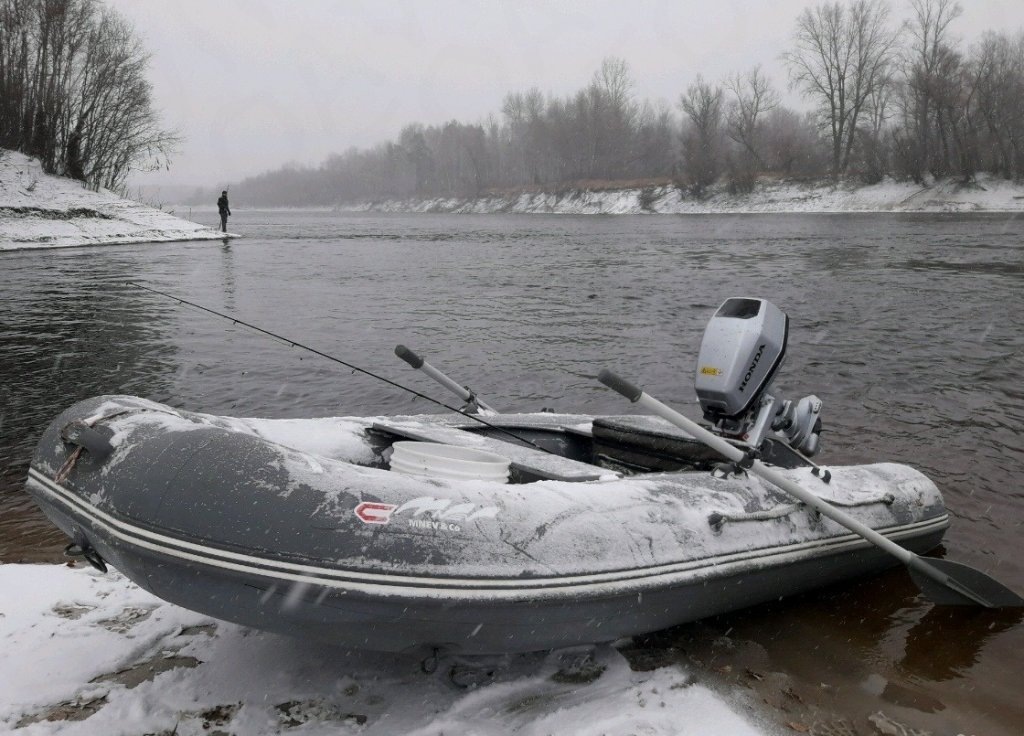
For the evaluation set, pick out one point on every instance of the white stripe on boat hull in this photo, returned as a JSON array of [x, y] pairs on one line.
[[453, 589]]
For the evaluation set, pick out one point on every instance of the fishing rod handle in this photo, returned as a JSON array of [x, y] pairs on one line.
[[408, 356], [620, 385]]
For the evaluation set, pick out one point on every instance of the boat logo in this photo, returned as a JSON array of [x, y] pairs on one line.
[[375, 513], [426, 512], [750, 370]]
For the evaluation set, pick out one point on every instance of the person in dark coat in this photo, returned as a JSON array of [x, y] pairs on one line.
[[224, 209]]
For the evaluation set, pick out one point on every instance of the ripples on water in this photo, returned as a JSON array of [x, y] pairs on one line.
[[907, 326]]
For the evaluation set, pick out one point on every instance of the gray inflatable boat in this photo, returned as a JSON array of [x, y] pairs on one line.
[[601, 527]]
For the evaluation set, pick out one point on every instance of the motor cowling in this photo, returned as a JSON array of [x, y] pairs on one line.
[[741, 351], [742, 348]]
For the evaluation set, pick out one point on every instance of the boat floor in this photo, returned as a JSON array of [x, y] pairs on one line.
[[523, 458], [632, 443], [553, 462]]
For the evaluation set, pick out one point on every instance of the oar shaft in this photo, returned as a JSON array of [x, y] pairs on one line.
[[420, 364], [801, 494], [958, 584], [772, 476], [461, 391]]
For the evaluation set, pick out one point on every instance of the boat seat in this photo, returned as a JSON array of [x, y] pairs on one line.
[[653, 443], [650, 442], [531, 464]]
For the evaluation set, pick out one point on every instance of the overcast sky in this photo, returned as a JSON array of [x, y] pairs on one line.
[[255, 84]]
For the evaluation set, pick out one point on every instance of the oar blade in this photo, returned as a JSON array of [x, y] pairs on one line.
[[949, 583]]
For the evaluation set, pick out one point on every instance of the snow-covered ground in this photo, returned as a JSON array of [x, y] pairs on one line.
[[42, 211], [988, 194], [86, 653]]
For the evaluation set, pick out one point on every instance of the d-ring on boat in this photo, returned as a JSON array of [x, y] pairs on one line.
[[523, 532]]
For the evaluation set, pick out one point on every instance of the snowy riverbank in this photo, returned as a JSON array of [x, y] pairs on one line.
[[86, 653], [988, 194], [42, 211]]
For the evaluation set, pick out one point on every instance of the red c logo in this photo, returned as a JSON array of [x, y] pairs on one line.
[[374, 513]]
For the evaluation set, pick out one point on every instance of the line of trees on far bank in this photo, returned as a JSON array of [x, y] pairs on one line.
[[74, 93], [888, 96]]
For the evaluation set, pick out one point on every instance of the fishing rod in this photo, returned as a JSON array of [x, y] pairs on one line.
[[293, 343]]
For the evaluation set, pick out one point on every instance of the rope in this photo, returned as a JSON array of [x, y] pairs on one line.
[[68, 466], [717, 519]]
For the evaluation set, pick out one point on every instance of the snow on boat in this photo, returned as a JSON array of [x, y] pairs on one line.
[[600, 528]]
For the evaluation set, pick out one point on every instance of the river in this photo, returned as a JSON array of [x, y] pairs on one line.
[[907, 326]]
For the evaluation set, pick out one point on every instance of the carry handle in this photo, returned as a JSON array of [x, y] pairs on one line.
[[81, 434]]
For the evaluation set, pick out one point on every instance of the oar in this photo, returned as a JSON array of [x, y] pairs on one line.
[[461, 391], [942, 581]]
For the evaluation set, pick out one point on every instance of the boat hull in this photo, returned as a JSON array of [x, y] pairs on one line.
[[183, 524]]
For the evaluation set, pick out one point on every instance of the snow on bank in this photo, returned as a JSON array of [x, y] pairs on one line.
[[988, 194], [86, 653], [42, 211]]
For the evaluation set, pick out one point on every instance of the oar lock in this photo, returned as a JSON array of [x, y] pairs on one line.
[[738, 467], [822, 473]]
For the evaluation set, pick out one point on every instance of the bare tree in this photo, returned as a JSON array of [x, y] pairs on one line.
[[702, 104], [997, 70], [73, 91], [655, 141], [40, 42], [609, 119], [927, 75], [873, 145], [752, 97], [527, 135], [841, 57], [114, 118], [792, 145], [413, 143]]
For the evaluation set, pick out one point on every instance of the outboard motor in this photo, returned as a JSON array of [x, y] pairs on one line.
[[743, 347]]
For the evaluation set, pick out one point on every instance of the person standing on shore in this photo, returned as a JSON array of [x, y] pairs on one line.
[[224, 209]]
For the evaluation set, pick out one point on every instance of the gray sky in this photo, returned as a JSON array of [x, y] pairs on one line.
[[255, 84]]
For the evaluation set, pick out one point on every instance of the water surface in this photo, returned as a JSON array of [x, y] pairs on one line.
[[907, 327]]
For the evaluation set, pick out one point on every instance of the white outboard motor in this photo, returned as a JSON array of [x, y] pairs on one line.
[[742, 349]]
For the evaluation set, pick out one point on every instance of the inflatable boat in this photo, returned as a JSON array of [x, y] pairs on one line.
[[480, 534]]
